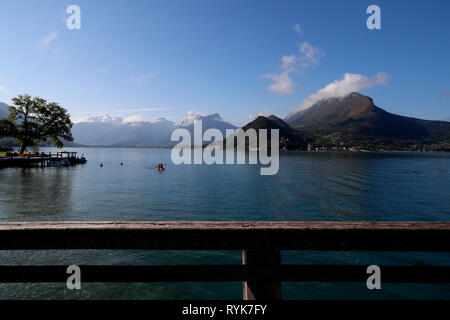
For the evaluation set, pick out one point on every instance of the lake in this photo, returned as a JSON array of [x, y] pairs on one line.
[[310, 186]]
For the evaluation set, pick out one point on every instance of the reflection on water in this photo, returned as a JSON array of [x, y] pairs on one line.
[[35, 194], [309, 186]]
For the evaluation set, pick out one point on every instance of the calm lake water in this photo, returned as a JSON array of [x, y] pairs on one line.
[[309, 186]]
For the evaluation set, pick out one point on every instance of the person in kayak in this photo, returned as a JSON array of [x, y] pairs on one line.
[[160, 167]]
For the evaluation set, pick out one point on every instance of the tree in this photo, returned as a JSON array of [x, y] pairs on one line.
[[32, 121], [6, 128]]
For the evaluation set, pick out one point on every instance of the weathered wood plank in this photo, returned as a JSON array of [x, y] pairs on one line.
[[227, 225], [226, 235], [201, 273]]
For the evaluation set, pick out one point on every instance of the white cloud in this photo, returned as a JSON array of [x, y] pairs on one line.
[[298, 29], [283, 83], [311, 55], [107, 112], [191, 116], [288, 61], [351, 82], [106, 118], [45, 41], [139, 118], [2, 87], [135, 118]]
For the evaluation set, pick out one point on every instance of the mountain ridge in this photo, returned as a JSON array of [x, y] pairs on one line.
[[289, 138], [112, 132], [355, 121], [341, 123]]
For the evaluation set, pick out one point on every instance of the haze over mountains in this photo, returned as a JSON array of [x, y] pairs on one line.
[[114, 131], [105, 130]]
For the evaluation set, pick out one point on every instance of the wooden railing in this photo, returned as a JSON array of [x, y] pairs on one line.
[[260, 242]]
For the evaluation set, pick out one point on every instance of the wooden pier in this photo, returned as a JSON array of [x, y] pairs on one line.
[[260, 242], [38, 159]]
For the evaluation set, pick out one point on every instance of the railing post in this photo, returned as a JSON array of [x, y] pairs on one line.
[[261, 289]]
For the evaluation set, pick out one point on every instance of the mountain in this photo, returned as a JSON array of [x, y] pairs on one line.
[[114, 131], [109, 131], [289, 138], [105, 130], [355, 121], [213, 121], [3, 110]]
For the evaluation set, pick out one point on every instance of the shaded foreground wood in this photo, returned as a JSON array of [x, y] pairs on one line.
[[261, 286], [260, 242], [219, 273], [218, 235]]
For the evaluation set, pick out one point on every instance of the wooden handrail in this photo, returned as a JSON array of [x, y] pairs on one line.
[[226, 235], [260, 242]]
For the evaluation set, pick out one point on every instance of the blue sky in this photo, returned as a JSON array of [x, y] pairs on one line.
[[163, 58]]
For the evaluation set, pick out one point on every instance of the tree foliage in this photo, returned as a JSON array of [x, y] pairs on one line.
[[32, 120]]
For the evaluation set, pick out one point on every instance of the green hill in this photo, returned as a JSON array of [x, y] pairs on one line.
[[354, 121], [290, 139]]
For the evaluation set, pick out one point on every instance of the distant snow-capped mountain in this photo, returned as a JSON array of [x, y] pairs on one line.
[[213, 121], [106, 130], [113, 131], [135, 131]]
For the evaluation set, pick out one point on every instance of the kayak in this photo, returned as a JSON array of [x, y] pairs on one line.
[[160, 167]]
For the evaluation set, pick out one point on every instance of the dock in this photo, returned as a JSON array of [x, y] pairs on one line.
[[39, 159]]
